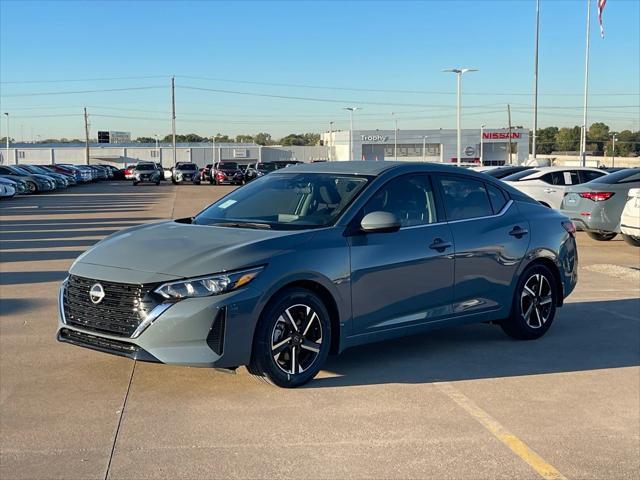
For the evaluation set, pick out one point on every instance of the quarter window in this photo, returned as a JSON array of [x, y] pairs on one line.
[[497, 198], [588, 175], [410, 198], [465, 198]]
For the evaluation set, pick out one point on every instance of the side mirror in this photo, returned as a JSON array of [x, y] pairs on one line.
[[379, 222]]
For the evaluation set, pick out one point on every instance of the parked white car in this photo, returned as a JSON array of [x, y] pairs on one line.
[[547, 185], [630, 219]]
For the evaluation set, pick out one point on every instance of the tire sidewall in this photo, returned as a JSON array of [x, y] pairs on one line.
[[262, 357]]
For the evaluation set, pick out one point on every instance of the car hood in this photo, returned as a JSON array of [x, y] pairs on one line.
[[183, 250]]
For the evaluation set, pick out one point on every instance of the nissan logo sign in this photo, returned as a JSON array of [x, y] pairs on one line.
[[469, 151], [96, 293]]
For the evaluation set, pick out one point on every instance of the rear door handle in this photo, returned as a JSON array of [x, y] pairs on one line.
[[440, 245], [518, 231], [549, 190]]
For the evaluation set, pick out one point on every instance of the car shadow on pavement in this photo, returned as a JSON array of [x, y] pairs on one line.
[[584, 336]]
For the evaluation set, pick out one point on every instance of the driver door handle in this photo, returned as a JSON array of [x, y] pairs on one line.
[[518, 232], [440, 245], [549, 190]]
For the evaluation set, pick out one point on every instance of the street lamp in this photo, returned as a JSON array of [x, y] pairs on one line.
[[459, 72], [7, 159], [157, 149], [613, 150], [213, 150], [351, 110], [330, 138], [395, 137], [424, 148], [482, 144]]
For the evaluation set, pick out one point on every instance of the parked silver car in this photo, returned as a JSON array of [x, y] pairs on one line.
[[146, 172], [596, 207], [313, 259]]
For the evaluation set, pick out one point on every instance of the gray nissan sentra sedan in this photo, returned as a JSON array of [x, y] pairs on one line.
[[313, 259]]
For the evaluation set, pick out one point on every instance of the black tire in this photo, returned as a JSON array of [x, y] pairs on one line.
[[173, 181], [135, 183], [530, 318], [602, 237], [275, 326], [631, 240], [158, 183], [32, 187], [197, 183]]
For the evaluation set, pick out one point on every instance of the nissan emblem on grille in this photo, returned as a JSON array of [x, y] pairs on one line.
[[96, 294]]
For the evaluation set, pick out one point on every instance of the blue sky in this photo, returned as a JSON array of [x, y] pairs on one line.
[[395, 46]]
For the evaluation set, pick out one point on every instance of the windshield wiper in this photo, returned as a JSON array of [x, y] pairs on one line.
[[264, 226]]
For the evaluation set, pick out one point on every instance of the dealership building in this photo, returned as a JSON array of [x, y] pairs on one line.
[[430, 145]]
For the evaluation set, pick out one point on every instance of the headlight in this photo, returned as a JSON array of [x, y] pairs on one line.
[[206, 286]]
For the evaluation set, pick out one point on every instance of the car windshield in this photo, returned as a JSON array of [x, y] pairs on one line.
[[621, 176], [187, 166], [228, 166], [145, 166], [266, 167], [519, 176], [285, 202]]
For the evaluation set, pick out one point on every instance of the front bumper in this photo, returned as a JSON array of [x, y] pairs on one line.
[[215, 331]]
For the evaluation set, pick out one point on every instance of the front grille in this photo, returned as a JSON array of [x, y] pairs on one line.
[[120, 312], [105, 345]]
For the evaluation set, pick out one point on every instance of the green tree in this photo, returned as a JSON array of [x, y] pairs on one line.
[[301, 139], [546, 140], [568, 139], [597, 136], [263, 138], [219, 138], [627, 144], [145, 140], [244, 139]]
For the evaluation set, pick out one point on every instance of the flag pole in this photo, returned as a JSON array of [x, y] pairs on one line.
[[583, 136]]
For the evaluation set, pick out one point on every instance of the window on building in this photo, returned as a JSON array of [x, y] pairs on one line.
[[20, 154], [412, 150], [154, 153], [465, 198]]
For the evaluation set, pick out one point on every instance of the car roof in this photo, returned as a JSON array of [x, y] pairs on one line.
[[373, 168]]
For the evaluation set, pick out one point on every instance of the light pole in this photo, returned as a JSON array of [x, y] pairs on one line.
[[7, 159], [351, 110], [157, 149], [424, 148], [613, 150], [482, 144], [213, 150], [395, 137], [330, 139], [459, 72]]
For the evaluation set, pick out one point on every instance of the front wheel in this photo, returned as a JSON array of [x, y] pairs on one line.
[[32, 187], [631, 240], [135, 183], [158, 183], [292, 339], [534, 304], [602, 237]]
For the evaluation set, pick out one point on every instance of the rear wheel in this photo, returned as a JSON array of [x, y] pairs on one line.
[[135, 183], [631, 240], [158, 183], [534, 304], [292, 339], [602, 237]]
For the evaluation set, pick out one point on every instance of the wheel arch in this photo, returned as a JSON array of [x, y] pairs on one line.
[[555, 271], [328, 299]]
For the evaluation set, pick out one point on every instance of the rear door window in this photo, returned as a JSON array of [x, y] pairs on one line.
[[465, 198], [497, 198], [588, 175]]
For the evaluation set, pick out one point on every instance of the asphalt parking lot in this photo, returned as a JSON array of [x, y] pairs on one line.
[[463, 403]]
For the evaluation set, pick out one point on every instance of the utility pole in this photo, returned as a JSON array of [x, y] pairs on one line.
[[613, 151], [351, 110], [535, 84], [395, 137], [7, 155], [509, 114], [583, 136], [86, 136], [173, 117]]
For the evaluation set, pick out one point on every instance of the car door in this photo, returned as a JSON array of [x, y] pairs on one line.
[[491, 238], [402, 278]]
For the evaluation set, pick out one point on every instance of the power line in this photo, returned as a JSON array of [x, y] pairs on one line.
[[70, 92], [18, 82]]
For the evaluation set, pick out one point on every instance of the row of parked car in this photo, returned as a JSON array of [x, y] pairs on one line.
[[31, 179], [601, 202]]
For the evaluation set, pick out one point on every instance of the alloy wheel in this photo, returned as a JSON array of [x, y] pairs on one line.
[[536, 300], [296, 339]]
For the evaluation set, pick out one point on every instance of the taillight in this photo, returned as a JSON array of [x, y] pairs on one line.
[[597, 196], [569, 227]]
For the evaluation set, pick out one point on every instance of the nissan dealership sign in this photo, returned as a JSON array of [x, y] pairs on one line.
[[374, 138], [500, 135]]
